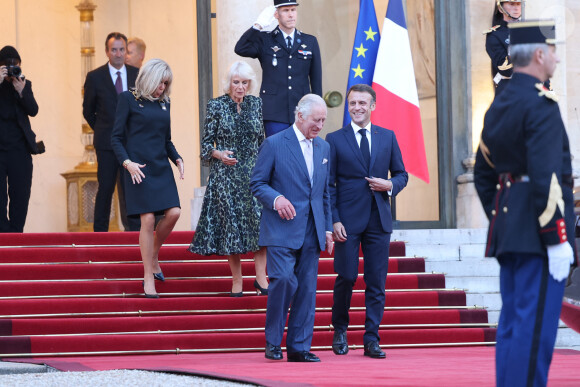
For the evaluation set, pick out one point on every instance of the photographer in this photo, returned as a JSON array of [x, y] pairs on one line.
[[17, 141]]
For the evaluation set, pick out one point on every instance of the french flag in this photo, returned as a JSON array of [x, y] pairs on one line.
[[397, 105]]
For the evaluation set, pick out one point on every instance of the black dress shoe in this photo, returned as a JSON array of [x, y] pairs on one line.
[[273, 352], [304, 356], [373, 350], [159, 276], [339, 343], [260, 290]]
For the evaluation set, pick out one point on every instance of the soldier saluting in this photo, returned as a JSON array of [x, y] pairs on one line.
[[290, 60], [523, 175]]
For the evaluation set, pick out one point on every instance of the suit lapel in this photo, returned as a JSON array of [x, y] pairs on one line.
[[296, 150], [108, 81], [375, 145], [351, 140]]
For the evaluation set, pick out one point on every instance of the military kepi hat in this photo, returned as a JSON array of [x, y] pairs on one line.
[[533, 31], [284, 3]]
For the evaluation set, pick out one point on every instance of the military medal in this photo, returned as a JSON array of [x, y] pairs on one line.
[[275, 60]]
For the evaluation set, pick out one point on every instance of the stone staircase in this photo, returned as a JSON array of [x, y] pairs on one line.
[[459, 254]]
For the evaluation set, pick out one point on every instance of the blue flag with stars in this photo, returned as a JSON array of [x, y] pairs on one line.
[[364, 51]]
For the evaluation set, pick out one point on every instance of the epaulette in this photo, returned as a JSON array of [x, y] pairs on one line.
[[491, 29], [546, 93]]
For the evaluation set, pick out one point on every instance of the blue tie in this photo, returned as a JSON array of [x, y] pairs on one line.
[[365, 148], [289, 40]]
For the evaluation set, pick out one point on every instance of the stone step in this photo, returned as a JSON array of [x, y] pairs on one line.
[[469, 267], [473, 284]]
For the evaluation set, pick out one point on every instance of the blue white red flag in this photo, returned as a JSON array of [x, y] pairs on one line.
[[364, 51], [397, 99]]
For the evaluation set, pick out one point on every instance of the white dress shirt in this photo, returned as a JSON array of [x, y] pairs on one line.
[[123, 71], [285, 35], [358, 136]]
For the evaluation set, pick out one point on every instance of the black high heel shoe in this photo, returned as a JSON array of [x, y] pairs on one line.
[[159, 276], [260, 290], [149, 295], [238, 294]]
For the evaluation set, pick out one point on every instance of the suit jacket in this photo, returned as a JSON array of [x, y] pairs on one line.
[[100, 103], [351, 196], [287, 74], [281, 170]]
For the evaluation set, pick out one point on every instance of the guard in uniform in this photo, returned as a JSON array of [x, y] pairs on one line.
[[523, 176], [290, 60], [498, 39]]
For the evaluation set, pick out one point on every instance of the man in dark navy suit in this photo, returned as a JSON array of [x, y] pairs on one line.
[[99, 105], [291, 180], [290, 60], [523, 176], [361, 157]]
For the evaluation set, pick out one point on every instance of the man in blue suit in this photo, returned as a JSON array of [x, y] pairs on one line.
[[290, 61], [291, 180], [361, 157]]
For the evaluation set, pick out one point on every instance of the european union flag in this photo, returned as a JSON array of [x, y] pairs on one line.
[[364, 51]]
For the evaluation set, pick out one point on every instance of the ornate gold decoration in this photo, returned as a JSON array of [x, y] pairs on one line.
[[554, 199]]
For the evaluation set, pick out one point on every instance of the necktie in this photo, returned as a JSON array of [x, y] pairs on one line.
[[364, 147], [119, 83], [289, 40], [308, 157]]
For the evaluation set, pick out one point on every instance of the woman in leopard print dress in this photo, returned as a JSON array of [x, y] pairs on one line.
[[230, 217]]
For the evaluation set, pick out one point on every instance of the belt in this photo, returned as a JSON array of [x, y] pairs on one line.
[[567, 180]]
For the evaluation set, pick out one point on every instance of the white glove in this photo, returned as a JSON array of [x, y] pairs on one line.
[[266, 21], [560, 257]]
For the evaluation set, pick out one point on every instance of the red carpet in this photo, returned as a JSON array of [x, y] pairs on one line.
[[456, 366], [81, 294]]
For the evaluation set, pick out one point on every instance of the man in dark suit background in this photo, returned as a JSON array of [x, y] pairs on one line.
[[291, 180], [99, 105], [361, 157], [290, 60]]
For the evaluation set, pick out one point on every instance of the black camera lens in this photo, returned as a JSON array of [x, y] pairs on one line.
[[14, 71]]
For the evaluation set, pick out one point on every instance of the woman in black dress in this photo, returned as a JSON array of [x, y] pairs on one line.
[[141, 140]]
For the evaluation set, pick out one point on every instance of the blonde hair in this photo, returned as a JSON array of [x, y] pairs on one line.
[[242, 70], [150, 76], [139, 43]]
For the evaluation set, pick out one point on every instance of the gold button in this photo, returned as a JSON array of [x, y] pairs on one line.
[[498, 187], [505, 209], [508, 184], [564, 237], [493, 212]]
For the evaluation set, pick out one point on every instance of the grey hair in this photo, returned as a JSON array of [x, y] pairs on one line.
[[242, 70], [150, 76], [521, 54], [306, 104]]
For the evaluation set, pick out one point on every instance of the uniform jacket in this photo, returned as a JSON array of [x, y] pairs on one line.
[[496, 45], [100, 103], [26, 107], [523, 171], [351, 196], [287, 75], [281, 170]]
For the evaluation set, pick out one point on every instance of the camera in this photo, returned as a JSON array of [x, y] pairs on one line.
[[14, 71]]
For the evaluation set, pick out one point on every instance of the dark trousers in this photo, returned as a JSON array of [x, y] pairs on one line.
[[15, 185], [273, 127], [107, 176], [293, 275], [528, 322], [375, 246]]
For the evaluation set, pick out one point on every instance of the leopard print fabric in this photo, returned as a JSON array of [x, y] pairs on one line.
[[230, 216]]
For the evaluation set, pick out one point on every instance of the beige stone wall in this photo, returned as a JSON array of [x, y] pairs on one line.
[[47, 35]]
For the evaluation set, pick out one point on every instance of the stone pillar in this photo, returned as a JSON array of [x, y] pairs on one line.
[[469, 212]]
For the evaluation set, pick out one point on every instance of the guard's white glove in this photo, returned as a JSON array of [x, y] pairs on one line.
[[266, 21], [560, 257]]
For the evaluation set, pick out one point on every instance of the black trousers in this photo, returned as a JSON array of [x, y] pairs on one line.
[[108, 176], [15, 185]]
